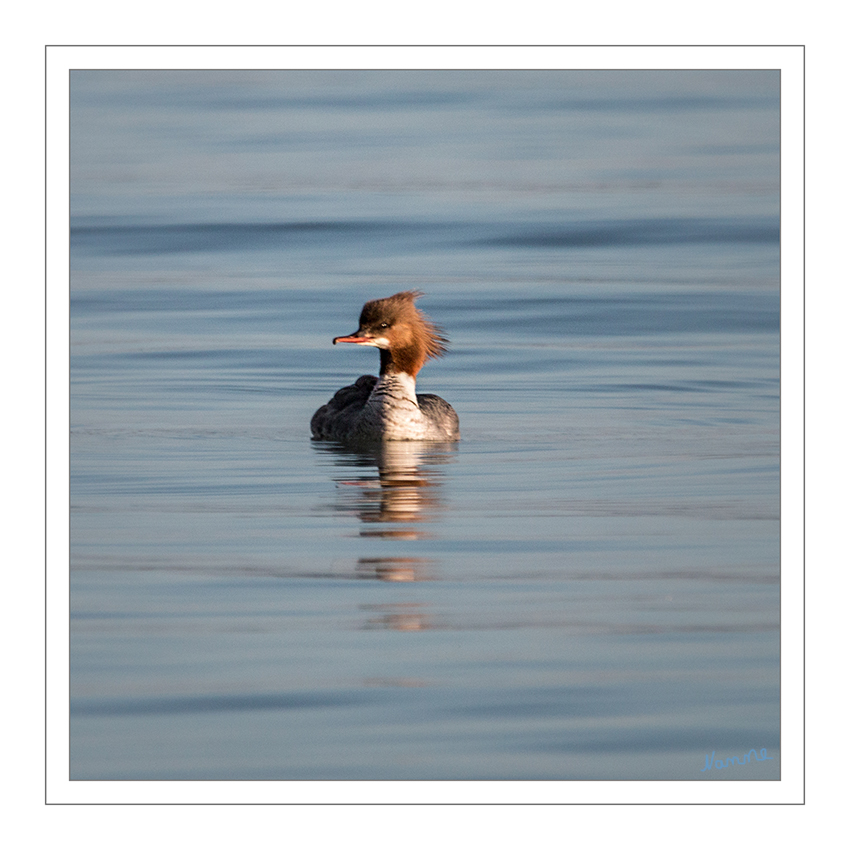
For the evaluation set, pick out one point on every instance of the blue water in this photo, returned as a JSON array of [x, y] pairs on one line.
[[586, 586]]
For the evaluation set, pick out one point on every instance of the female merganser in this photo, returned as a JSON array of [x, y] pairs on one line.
[[388, 408]]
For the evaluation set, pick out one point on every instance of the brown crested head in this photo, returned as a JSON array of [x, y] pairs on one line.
[[406, 336]]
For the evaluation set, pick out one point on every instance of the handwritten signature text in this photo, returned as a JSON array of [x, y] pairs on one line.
[[719, 764]]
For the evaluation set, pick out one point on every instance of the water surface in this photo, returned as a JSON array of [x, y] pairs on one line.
[[586, 586]]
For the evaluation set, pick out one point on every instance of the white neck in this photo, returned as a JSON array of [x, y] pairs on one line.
[[396, 388]]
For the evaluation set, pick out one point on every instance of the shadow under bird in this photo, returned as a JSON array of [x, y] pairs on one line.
[[387, 407]]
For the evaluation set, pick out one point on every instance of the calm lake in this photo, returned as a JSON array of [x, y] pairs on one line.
[[586, 586]]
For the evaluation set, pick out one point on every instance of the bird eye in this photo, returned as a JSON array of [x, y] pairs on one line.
[[383, 325]]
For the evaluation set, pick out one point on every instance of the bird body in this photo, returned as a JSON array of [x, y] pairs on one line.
[[387, 407]]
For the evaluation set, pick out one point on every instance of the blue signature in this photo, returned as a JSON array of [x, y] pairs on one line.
[[719, 764]]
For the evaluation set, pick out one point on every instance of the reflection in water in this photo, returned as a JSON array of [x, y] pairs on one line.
[[398, 617], [398, 491], [406, 488], [394, 569]]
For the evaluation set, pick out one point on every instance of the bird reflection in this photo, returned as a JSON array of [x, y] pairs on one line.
[[401, 617], [394, 569], [396, 493], [404, 493]]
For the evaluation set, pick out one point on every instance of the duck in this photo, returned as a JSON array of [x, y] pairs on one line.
[[387, 407]]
